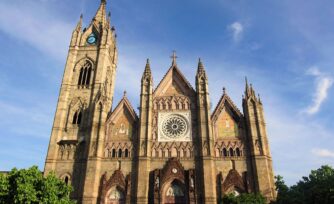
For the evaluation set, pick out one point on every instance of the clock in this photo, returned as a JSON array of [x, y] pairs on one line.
[[91, 39]]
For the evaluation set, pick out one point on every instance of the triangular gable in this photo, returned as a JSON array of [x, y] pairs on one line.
[[174, 81], [226, 102], [123, 104]]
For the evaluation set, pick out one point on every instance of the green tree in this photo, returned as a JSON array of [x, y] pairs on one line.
[[29, 186], [317, 188], [244, 198], [3, 188], [282, 191]]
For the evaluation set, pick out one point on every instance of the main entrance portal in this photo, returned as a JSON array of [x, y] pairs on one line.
[[175, 193]]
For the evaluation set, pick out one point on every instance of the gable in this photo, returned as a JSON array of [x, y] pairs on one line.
[[226, 119], [174, 83], [121, 124], [226, 125]]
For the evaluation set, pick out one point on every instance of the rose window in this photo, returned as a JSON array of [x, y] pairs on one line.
[[174, 126]]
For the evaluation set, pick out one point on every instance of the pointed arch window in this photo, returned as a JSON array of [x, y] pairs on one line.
[[77, 117], [126, 153], [231, 152], [224, 152], [113, 155], [85, 74], [238, 152], [66, 180], [119, 153]]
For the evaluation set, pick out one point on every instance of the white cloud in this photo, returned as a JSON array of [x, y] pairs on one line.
[[237, 29], [323, 84], [39, 29], [323, 153]]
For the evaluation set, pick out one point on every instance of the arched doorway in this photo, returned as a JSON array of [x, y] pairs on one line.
[[115, 196], [175, 193]]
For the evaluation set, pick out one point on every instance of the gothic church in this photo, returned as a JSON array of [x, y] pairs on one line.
[[174, 151]]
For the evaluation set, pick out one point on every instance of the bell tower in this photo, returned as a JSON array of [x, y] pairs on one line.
[[85, 99]]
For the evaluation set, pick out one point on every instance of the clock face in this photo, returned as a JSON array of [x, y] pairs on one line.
[[91, 39]]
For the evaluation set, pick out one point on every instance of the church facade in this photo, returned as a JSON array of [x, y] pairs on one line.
[[174, 151]]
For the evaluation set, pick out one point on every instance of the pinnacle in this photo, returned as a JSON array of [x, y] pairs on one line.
[[79, 25], [200, 66], [147, 67]]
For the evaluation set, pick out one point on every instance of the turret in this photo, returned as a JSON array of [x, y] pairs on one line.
[[203, 102], [146, 100], [258, 143], [205, 138], [145, 134]]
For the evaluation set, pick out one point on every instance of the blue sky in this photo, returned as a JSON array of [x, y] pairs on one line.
[[284, 47]]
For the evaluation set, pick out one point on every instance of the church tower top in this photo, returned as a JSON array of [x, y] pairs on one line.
[[101, 14]]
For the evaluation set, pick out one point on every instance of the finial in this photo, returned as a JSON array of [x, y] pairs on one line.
[[200, 66], [109, 14], [124, 94], [174, 57], [103, 1], [224, 90], [79, 25], [147, 67], [246, 81]]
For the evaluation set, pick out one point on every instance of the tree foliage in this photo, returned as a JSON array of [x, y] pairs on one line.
[[29, 186], [317, 188], [245, 198]]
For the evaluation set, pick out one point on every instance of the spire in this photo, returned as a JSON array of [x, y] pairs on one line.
[[200, 66], [79, 25], [147, 67], [200, 69], [246, 82], [147, 71], [100, 15], [247, 91]]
